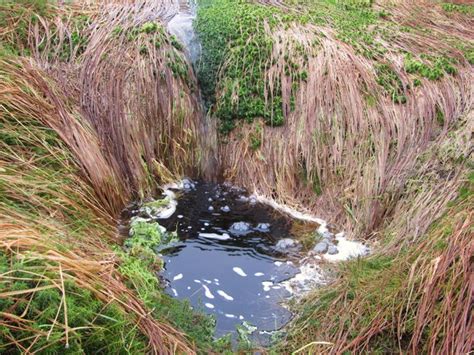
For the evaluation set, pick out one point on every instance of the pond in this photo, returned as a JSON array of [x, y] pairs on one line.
[[228, 263], [235, 257]]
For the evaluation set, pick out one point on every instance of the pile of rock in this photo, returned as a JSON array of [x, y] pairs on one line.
[[327, 242]]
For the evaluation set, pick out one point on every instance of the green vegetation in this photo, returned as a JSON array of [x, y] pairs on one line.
[[238, 43], [389, 80], [434, 71], [234, 32], [467, 9]]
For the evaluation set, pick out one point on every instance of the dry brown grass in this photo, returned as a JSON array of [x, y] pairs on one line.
[[417, 301]]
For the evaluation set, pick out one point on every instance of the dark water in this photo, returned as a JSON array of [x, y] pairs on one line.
[[235, 279]]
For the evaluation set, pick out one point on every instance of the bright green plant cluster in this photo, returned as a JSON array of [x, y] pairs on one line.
[[433, 68], [148, 236], [467, 9], [256, 138]]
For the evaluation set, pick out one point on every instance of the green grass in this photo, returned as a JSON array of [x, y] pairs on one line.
[[94, 326]]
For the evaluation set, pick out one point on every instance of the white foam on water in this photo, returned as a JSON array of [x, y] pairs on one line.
[[303, 216], [197, 281], [209, 305], [239, 271], [224, 236], [171, 208], [188, 288], [178, 277], [207, 281], [230, 315], [278, 263], [267, 285], [347, 249], [225, 295], [258, 274], [241, 317], [175, 293], [207, 292]]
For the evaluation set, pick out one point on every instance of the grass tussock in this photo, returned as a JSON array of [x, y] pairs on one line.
[[134, 114], [415, 300], [97, 107]]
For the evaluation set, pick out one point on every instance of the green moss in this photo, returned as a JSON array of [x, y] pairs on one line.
[[149, 27], [390, 81]]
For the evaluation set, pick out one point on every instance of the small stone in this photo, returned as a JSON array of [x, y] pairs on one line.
[[210, 199], [243, 198], [286, 243], [326, 235], [321, 247], [332, 250], [211, 208]]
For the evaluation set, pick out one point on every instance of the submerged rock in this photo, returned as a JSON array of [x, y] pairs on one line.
[[240, 228], [287, 245], [225, 209]]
